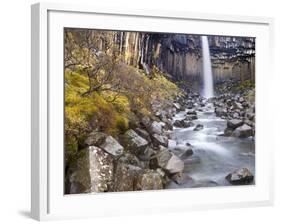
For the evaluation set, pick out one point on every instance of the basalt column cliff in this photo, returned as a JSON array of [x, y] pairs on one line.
[[181, 55]]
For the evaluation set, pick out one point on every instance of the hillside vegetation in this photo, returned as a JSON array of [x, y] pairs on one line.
[[103, 93]]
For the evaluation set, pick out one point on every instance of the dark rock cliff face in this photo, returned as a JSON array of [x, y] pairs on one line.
[[233, 57], [180, 55]]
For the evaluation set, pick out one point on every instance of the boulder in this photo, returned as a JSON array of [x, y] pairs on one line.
[[234, 123], [228, 132], [112, 146], [128, 158], [163, 156], [149, 180], [245, 104], [241, 99], [146, 122], [181, 178], [237, 105], [143, 133], [132, 178], [104, 141], [221, 112], [243, 131], [156, 128], [198, 127], [177, 106], [146, 154], [240, 177], [191, 112], [250, 116], [92, 171], [168, 124], [125, 176], [189, 105], [187, 153], [191, 117], [158, 114], [250, 123], [168, 161], [133, 142], [189, 124], [95, 138], [235, 116], [160, 140], [228, 102], [174, 165], [182, 124]]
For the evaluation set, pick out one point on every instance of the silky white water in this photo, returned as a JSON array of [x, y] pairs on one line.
[[214, 156], [208, 85]]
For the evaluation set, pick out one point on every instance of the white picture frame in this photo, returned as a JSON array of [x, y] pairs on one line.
[[48, 201]]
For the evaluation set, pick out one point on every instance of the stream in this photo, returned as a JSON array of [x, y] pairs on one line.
[[214, 156]]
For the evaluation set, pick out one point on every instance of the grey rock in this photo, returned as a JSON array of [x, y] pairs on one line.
[[241, 100], [177, 106], [198, 127], [191, 112], [112, 146], [220, 112], [240, 177], [149, 180], [92, 172], [250, 116], [243, 131], [189, 105], [147, 154], [237, 105], [174, 165], [187, 153], [95, 138], [236, 115], [160, 140], [250, 123], [234, 123], [191, 117], [131, 159], [125, 176], [133, 142], [183, 124], [228, 132], [143, 133], [168, 161], [168, 124], [156, 127], [146, 122], [181, 178], [104, 141]]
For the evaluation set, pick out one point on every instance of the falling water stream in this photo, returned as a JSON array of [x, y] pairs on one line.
[[208, 85]]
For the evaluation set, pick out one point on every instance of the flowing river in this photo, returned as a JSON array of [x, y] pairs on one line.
[[214, 156]]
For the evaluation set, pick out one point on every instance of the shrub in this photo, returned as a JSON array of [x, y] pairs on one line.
[[122, 124]]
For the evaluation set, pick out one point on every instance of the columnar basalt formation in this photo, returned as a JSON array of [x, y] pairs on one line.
[[180, 55]]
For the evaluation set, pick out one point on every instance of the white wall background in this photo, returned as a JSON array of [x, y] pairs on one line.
[[15, 110]]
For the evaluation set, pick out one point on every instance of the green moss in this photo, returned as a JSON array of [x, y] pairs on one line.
[[247, 84], [111, 111], [122, 124]]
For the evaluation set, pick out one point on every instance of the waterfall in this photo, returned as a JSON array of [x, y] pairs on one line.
[[208, 85]]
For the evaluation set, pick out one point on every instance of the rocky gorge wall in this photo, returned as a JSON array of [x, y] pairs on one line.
[[180, 55]]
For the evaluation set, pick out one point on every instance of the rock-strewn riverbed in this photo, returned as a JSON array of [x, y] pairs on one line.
[[214, 153], [191, 142]]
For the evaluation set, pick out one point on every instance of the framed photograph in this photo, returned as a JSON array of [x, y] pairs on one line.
[[148, 111]]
